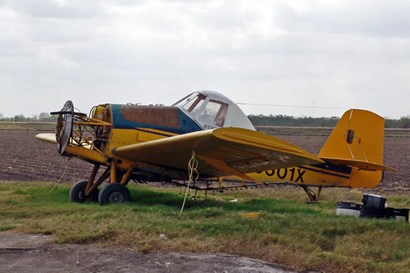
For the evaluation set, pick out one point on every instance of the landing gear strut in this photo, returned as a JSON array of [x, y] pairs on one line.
[[111, 193], [313, 197]]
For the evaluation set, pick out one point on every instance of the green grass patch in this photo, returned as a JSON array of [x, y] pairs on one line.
[[288, 230]]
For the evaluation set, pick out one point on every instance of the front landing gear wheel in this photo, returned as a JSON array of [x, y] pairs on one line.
[[114, 193], [77, 193]]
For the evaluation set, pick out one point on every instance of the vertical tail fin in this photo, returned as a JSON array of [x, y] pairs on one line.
[[358, 141]]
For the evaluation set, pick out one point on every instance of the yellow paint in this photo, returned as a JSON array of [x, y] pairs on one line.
[[365, 179], [320, 177], [302, 176], [357, 140], [86, 154], [101, 112], [158, 132], [124, 137], [251, 215], [223, 167]]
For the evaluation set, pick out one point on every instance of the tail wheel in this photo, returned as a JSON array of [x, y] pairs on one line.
[[77, 193], [114, 193]]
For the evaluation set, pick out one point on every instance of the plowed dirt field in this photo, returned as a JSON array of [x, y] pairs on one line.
[[24, 158]]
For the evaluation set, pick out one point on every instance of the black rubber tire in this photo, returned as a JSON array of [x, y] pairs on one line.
[[114, 193], [77, 193]]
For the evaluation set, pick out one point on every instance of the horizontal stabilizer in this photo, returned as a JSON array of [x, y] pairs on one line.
[[363, 165]]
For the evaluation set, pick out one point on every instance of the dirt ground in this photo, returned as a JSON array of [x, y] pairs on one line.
[[23, 158], [37, 253]]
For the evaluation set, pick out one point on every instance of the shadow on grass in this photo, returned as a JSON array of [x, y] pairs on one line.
[[147, 197], [170, 199]]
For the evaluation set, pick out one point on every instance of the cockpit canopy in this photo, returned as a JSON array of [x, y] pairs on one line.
[[212, 109]]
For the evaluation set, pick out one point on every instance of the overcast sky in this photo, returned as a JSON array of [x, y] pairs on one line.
[[300, 57]]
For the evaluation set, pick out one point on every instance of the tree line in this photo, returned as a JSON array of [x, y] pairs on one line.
[[283, 120], [257, 120], [42, 117]]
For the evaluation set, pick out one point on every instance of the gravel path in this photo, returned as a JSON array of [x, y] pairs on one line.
[[37, 253]]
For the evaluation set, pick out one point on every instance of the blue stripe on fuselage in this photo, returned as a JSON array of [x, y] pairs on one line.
[[186, 123]]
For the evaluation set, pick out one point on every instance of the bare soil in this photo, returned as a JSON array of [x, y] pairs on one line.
[[37, 253]]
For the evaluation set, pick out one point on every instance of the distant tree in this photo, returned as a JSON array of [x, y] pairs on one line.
[[405, 122], [18, 118], [44, 116], [281, 120]]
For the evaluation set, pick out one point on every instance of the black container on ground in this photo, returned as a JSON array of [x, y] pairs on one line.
[[398, 214], [348, 208], [372, 201], [366, 212]]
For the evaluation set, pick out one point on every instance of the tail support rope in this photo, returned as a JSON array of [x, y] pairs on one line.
[[61, 177], [193, 175]]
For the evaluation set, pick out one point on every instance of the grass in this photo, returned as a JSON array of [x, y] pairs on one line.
[[288, 230]]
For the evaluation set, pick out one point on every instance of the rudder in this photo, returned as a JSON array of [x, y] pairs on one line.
[[358, 141]]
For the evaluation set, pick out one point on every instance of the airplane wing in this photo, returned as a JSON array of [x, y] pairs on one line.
[[220, 152]]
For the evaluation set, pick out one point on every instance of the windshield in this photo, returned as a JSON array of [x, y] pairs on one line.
[[212, 110]]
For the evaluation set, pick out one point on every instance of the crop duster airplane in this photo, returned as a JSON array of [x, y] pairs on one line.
[[211, 134]]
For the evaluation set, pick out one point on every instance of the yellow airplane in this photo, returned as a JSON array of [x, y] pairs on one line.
[[206, 139]]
